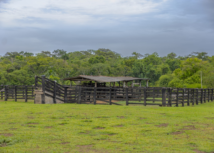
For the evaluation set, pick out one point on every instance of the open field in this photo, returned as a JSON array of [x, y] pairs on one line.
[[26, 127]]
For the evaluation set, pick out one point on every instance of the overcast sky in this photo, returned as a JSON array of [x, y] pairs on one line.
[[124, 26]]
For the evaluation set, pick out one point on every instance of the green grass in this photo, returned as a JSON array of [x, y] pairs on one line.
[[26, 127]]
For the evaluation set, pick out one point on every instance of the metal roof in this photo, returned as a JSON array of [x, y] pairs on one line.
[[102, 78]]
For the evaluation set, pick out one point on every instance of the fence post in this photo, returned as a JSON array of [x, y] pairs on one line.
[[145, 96], [202, 94], [2, 93], [15, 93], [188, 98], [177, 97], [65, 95], [211, 94], [163, 96], [127, 102], [54, 93], [197, 96], [32, 92], [193, 96], [208, 94], [26, 93], [95, 95], [183, 97], [110, 96], [205, 98], [43, 89], [79, 98], [5, 93], [170, 97]]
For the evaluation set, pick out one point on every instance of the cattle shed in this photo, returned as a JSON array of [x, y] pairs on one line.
[[100, 81]]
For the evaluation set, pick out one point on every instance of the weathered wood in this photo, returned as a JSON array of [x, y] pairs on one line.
[[196, 96], [15, 93], [26, 93], [170, 97], [95, 95], [110, 96], [211, 94], [163, 97], [177, 97], [188, 96], [202, 95], [208, 94], [144, 96], [183, 97], [43, 89], [193, 97], [127, 102], [205, 99], [65, 95], [5, 93]]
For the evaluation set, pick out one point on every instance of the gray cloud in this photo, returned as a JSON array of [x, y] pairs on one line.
[[177, 26]]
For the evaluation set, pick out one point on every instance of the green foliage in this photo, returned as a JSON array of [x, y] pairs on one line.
[[164, 80], [169, 71]]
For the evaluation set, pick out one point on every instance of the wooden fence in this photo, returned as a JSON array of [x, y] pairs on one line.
[[109, 95], [144, 96], [17, 92]]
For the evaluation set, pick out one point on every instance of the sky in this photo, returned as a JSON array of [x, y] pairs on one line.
[[123, 26]]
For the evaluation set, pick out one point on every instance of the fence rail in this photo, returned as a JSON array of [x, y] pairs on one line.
[[17, 92], [109, 95]]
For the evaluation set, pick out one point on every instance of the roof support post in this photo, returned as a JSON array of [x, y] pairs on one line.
[[95, 85], [124, 84], [147, 83], [140, 83], [132, 83], [113, 84]]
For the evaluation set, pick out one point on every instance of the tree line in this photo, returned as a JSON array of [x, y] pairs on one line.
[[20, 68]]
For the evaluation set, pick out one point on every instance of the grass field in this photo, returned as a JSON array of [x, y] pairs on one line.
[[26, 127]]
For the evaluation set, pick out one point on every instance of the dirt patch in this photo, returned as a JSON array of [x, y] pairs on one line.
[[211, 118], [148, 123], [102, 117], [30, 117], [89, 148], [84, 132], [121, 125], [32, 123], [12, 123], [142, 118], [189, 127], [121, 116], [99, 128], [162, 113], [177, 132], [198, 151], [64, 143], [48, 127], [3, 145], [13, 128], [7, 134], [163, 125]]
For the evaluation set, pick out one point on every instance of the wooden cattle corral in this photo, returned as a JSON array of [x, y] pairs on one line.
[[56, 93]]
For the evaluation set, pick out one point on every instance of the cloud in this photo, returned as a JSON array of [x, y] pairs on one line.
[[73, 12], [124, 26]]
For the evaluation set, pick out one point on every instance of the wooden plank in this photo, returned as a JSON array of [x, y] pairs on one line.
[[95, 95], [26, 93], [127, 101], [144, 96]]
